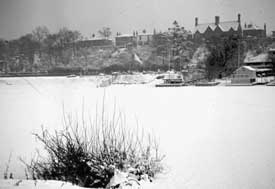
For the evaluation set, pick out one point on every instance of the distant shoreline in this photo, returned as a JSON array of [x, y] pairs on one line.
[[40, 75], [28, 74]]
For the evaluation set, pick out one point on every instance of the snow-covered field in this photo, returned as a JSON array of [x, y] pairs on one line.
[[213, 137], [30, 184]]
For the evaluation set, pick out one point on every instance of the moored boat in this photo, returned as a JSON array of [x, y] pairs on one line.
[[207, 83], [172, 79]]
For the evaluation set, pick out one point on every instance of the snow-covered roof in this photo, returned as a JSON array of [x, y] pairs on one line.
[[251, 27], [263, 69], [255, 59], [98, 38], [256, 69], [249, 68], [145, 34], [203, 27], [224, 26], [126, 35]]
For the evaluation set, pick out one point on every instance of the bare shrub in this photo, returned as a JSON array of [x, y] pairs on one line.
[[6, 172], [88, 154]]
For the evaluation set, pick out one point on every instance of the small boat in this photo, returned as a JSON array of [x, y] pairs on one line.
[[272, 83], [207, 83], [172, 80]]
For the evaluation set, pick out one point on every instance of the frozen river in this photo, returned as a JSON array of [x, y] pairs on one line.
[[213, 137]]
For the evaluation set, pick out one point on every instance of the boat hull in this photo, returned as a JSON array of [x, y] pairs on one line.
[[171, 85], [203, 84]]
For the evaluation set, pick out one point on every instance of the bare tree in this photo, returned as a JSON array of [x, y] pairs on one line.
[[7, 166], [105, 32], [67, 36], [39, 34]]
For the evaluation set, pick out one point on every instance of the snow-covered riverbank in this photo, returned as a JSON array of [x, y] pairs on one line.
[[29, 184]]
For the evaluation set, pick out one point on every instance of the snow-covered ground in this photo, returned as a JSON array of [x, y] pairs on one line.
[[213, 137], [30, 184]]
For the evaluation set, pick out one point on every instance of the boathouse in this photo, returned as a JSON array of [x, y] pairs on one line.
[[247, 75]]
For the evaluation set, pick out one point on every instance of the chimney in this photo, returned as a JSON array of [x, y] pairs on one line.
[[217, 20], [196, 21], [239, 18], [264, 29]]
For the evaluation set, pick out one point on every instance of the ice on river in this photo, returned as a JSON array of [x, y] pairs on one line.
[[213, 137]]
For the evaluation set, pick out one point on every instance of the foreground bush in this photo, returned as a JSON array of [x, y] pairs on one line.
[[89, 155]]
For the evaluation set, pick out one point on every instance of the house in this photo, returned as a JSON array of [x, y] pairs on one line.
[[255, 69], [247, 75], [96, 42], [251, 30], [125, 40], [144, 38], [217, 28]]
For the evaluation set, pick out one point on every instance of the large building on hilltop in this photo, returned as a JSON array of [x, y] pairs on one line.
[[251, 30], [124, 40], [96, 43], [217, 28]]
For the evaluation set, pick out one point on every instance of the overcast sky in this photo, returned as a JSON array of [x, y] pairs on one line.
[[18, 17]]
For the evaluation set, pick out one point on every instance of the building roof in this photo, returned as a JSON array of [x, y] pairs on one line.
[[256, 69], [256, 59], [203, 27], [126, 35], [99, 38], [251, 27], [249, 68], [145, 34], [224, 26], [263, 69]]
